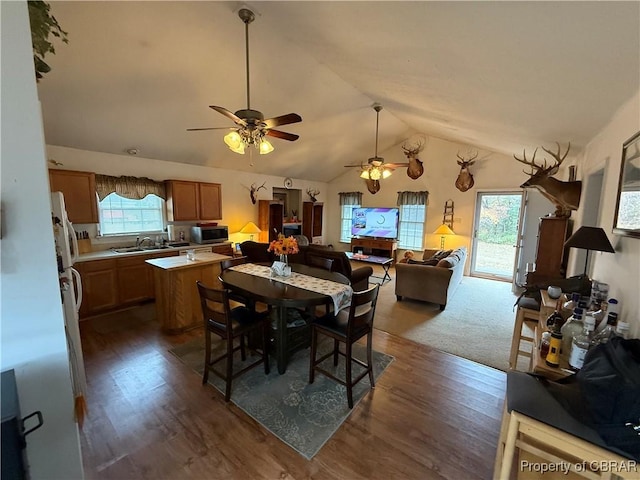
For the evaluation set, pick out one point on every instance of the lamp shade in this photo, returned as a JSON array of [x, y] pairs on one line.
[[444, 230], [250, 228], [590, 238]]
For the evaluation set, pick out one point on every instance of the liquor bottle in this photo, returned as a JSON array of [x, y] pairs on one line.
[[607, 332], [555, 318], [555, 342], [581, 343], [570, 329]]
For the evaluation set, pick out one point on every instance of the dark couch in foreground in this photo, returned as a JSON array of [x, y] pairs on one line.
[[359, 277]]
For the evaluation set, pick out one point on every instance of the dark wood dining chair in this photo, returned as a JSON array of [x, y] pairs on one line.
[[320, 262], [236, 297], [230, 324], [347, 327]]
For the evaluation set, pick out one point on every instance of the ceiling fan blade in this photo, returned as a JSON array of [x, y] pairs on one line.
[[229, 114], [282, 120], [359, 165], [395, 165], [283, 135], [211, 128]]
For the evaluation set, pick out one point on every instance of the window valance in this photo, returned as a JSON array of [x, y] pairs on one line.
[[413, 198], [135, 188], [350, 198]]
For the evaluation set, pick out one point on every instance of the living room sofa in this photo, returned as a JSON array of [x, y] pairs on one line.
[[434, 281], [359, 277]]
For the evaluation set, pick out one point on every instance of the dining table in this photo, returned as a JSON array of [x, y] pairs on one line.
[[282, 296]]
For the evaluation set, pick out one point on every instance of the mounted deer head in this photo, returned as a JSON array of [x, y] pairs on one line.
[[465, 180], [254, 190], [415, 168], [312, 194], [373, 186], [564, 195]]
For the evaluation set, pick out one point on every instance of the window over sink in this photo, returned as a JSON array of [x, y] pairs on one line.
[[119, 215]]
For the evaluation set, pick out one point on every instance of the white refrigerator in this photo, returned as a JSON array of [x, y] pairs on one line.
[[71, 293]]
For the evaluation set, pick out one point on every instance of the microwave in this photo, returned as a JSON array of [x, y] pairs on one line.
[[209, 234]]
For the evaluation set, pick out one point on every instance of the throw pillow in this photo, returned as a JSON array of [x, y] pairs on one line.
[[440, 254], [422, 262]]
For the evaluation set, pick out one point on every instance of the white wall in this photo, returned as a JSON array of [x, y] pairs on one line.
[[33, 340], [492, 171], [622, 269], [237, 208]]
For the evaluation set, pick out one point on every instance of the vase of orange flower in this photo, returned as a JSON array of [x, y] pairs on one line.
[[283, 246]]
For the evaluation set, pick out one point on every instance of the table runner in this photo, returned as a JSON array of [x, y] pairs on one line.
[[339, 292]]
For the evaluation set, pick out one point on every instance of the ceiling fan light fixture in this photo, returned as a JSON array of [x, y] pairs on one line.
[[386, 173], [265, 147], [234, 141]]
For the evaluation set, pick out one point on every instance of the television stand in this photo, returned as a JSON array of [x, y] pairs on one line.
[[376, 246]]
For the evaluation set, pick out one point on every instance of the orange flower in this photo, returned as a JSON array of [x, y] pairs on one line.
[[283, 245]]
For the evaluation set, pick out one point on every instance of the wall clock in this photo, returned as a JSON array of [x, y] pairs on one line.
[[288, 183]]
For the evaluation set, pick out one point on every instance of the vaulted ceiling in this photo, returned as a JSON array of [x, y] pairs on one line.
[[502, 76]]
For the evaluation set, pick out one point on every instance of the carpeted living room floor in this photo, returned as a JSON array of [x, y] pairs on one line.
[[477, 323]]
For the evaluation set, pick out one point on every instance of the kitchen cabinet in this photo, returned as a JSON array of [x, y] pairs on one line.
[[112, 283], [312, 221], [79, 190], [270, 219], [99, 286], [223, 249], [193, 201]]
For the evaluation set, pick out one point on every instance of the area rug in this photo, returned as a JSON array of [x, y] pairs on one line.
[[302, 415], [477, 323]]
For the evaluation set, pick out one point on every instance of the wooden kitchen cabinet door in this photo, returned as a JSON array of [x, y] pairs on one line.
[[135, 279], [99, 286], [210, 201], [183, 200], [79, 190]]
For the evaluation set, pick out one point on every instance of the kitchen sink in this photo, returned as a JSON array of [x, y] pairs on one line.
[[127, 249], [139, 249]]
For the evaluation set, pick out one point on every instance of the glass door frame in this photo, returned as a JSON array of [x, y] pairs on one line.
[[474, 236]]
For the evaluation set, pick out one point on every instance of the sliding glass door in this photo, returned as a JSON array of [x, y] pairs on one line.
[[495, 238]]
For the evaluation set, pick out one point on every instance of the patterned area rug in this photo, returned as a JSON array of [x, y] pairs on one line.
[[303, 416]]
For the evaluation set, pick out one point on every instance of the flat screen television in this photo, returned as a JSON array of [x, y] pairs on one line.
[[375, 222]]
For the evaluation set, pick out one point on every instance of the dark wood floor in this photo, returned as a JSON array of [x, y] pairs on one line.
[[431, 416]]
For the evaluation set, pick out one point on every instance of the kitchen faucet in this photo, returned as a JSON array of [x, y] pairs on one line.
[[145, 239]]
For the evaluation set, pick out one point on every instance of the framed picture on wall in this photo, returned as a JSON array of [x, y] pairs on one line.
[[627, 213]]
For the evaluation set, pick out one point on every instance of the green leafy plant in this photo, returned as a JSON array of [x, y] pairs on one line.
[[43, 24]]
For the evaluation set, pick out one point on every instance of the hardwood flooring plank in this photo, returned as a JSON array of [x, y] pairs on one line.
[[432, 415]]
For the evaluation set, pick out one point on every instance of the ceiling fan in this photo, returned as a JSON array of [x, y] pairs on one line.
[[252, 126], [376, 169]]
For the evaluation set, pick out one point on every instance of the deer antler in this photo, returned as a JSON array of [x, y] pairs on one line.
[[556, 155], [412, 152], [254, 190], [466, 162], [532, 163]]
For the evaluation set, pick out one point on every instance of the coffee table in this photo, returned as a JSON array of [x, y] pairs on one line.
[[383, 261]]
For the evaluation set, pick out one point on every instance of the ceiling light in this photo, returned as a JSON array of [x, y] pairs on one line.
[[234, 142], [373, 172]]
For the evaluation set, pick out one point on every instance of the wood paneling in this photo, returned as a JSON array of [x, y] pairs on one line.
[[431, 416], [79, 190]]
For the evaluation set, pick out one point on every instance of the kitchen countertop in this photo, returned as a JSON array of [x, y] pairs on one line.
[[181, 262], [104, 254]]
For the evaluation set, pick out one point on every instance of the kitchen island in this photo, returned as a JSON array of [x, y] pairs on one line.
[[177, 298]]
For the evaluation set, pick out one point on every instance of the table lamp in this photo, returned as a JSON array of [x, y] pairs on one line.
[[251, 229], [443, 230], [590, 238]]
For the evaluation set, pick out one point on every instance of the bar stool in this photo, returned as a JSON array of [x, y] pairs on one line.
[[527, 314]]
